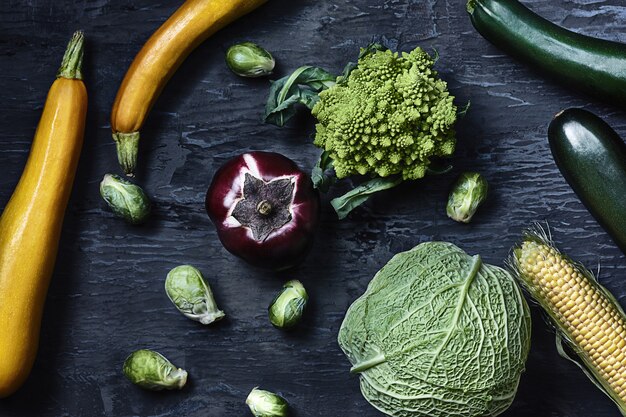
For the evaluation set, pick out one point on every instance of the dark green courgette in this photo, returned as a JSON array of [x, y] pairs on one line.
[[593, 65], [592, 158]]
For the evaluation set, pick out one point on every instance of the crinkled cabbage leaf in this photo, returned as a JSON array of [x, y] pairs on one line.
[[438, 333]]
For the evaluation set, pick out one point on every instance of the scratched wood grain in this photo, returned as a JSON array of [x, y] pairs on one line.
[[106, 297]]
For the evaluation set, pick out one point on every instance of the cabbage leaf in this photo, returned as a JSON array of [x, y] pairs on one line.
[[438, 333]]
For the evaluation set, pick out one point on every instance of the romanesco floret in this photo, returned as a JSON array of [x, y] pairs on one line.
[[390, 116]]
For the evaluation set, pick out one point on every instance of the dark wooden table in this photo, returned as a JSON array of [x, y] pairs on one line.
[[107, 298]]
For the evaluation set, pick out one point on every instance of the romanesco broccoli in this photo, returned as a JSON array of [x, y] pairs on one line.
[[389, 116]]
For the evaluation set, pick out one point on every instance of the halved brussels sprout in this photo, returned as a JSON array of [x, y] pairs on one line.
[[468, 192], [151, 370], [248, 59], [191, 295], [266, 404], [126, 199], [287, 308]]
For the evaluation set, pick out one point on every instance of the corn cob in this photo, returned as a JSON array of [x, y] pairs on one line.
[[585, 313]]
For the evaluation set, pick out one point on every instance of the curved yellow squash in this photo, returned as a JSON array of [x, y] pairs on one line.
[[30, 225], [157, 61]]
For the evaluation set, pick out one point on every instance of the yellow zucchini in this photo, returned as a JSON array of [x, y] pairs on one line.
[[31, 222], [157, 61]]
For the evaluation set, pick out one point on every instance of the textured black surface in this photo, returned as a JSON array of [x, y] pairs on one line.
[[107, 298]]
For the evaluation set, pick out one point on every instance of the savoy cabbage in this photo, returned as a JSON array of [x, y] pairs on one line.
[[438, 333]]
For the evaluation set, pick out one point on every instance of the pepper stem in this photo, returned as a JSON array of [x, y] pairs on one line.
[[71, 66], [127, 148], [264, 208]]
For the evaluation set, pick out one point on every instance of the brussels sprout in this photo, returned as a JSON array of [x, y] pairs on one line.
[[126, 199], [286, 309], [468, 192], [191, 295], [249, 60], [151, 370], [266, 404]]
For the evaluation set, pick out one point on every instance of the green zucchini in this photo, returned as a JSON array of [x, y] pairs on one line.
[[592, 158], [593, 65]]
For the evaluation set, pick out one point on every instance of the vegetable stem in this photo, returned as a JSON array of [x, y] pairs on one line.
[[211, 316], [178, 378], [127, 148], [471, 4], [368, 363], [264, 208], [72, 63], [477, 262]]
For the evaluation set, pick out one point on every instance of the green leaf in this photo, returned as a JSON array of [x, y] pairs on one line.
[[321, 176], [359, 195], [560, 348], [309, 98], [463, 111], [285, 105], [301, 87], [438, 169], [350, 66], [371, 49], [435, 55], [314, 77]]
